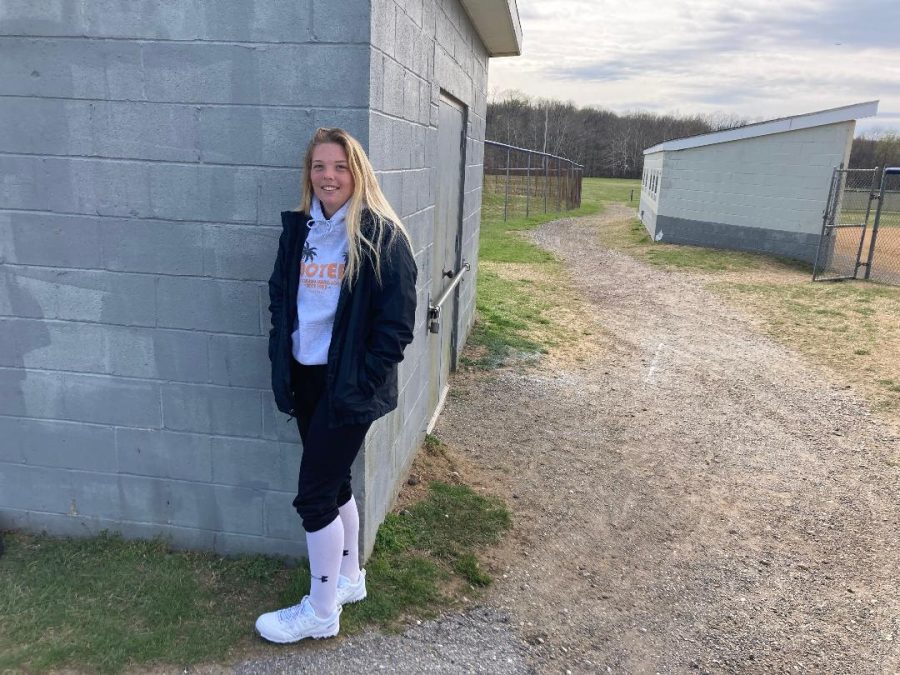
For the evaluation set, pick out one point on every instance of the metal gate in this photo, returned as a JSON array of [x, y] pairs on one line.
[[845, 223], [861, 227]]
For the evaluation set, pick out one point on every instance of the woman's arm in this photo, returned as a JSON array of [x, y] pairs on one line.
[[276, 292], [394, 310]]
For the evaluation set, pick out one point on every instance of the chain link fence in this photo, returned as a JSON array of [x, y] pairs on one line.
[[861, 227], [521, 182], [845, 222], [884, 240]]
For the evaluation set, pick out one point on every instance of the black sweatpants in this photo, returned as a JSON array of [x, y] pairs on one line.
[[324, 481]]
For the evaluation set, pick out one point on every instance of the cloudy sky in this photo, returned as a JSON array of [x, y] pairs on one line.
[[756, 59]]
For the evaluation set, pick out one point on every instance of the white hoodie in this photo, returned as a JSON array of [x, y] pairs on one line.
[[322, 264]]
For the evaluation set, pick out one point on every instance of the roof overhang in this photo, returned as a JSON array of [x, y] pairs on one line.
[[497, 24], [846, 113]]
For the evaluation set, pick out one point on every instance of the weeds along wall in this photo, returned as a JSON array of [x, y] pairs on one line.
[[146, 156]]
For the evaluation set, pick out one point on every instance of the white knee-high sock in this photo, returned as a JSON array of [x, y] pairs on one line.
[[325, 548], [350, 560]]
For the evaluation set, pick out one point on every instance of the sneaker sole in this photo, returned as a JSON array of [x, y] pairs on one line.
[[331, 631]]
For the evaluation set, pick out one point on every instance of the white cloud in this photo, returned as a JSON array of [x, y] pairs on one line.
[[762, 59]]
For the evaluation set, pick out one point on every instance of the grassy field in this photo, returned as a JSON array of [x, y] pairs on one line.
[[525, 304], [105, 604], [850, 327]]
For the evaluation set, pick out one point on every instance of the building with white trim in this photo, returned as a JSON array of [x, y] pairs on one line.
[[761, 187], [146, 152]]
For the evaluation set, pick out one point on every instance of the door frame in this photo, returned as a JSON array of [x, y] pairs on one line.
[[447, 97]]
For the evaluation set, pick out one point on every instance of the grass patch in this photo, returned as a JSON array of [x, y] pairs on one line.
[[106, 604], [821, 320], [467, 567], [507, 316], [630, 236], [520, 285]]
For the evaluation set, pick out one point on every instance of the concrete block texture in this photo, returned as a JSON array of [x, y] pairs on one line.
[[78, 295], [115, 129], [271, 74], [786, 243], [163, 454], [239, 252], [239, 361], [50, 240], [134, 189], [52, 443], [231, 20], [103, 349], [208, 304], [212, 409], [59, 490], [83, 69], [344, 22], [97, 399], [255, 463], [147, 149]]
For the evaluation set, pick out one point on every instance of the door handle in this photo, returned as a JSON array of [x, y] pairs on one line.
[[434, 310]]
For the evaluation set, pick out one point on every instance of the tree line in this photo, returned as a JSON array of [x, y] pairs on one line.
[[876, 149], [611, 145], [607, 144]]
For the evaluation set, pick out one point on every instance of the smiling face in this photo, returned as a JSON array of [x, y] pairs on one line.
[[329, 173]]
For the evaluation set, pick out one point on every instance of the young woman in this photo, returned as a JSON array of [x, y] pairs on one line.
[[343, 303]]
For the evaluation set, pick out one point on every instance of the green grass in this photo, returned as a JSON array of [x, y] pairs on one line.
[[507, 316], [852, 327], [632, 237], [106, 604], [515, 315]]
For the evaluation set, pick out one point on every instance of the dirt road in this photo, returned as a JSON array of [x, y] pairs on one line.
[[692, 497]]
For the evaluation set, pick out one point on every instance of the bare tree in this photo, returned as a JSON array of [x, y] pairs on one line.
[[606, 143]]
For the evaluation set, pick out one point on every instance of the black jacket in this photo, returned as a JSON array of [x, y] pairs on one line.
[[373, 324]]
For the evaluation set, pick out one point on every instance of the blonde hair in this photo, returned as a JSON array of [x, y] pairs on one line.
[[367, 195]]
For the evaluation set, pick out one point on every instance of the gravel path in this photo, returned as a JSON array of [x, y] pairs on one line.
[[693, 498], [478, 641], [696, 498]]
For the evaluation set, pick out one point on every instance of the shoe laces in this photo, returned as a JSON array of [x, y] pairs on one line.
[[290, 614]]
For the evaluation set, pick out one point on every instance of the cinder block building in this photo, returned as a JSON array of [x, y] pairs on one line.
[[761, 187], [146, 150]]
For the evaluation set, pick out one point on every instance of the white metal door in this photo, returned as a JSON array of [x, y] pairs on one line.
[[445, 260]]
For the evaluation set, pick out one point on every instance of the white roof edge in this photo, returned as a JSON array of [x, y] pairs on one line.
[[805, 121], [497, 24]]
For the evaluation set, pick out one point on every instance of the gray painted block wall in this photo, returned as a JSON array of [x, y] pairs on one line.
[[419, 49], [146, 152], [147, 155]]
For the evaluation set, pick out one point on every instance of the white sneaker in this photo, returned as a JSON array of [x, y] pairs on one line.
[[295, 623], [348, 592]]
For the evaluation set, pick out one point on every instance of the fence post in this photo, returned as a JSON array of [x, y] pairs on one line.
[[546, 180], [528, 187], [825, 216], [558, 186], [506, 196], [884, 174], [862, 240]]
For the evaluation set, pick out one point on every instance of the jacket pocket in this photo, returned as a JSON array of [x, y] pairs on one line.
[[374, 371]]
